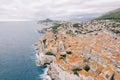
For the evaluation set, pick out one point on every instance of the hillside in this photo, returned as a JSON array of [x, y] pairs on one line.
[[112, 15]]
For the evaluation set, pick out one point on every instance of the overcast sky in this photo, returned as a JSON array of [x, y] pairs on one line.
[[54, 9]]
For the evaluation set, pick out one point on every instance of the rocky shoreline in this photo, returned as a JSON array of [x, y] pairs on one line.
[[70, 55]]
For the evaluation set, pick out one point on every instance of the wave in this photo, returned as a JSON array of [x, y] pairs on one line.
[[44, 76]]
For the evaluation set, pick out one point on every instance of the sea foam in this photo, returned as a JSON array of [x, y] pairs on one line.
[[44, 76]]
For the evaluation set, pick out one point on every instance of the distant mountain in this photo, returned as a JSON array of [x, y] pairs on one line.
[[47, 20], [84, 17], [112, 15], [80, 19]]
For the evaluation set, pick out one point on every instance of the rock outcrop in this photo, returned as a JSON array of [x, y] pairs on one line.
[[57, 73]]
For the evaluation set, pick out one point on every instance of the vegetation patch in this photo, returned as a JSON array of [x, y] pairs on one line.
[[63, 56], [69, 32], [77, 25], [86, 68], [44, 41], [49, 53], [69, 52], [75, 70], [55, 27], [115, 25], [115, 31]]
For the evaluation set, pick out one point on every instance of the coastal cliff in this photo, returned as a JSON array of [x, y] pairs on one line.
[[77, 52]]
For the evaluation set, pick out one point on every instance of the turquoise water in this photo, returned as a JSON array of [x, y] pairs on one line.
[[17, 53]]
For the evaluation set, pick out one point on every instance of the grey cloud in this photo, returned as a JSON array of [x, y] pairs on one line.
[[55, 9]]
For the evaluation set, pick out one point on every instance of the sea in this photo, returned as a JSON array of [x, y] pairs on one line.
[[17, 51]]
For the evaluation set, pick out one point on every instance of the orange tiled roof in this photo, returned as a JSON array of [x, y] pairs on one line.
[[85, 73], [80, 45]]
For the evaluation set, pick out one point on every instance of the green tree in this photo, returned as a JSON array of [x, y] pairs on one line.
[[86, 68], [49, 53]]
